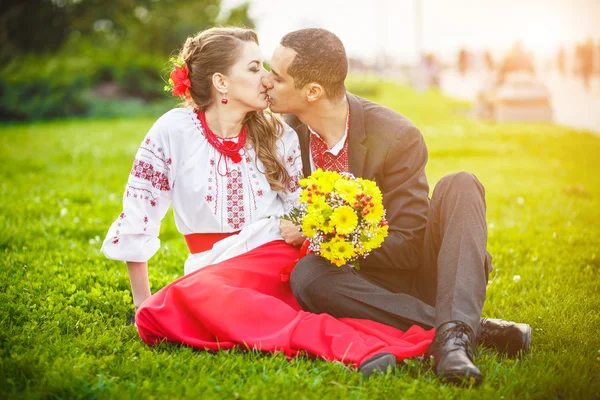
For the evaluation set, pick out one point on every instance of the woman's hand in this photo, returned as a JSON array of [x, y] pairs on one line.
[[291, 233]]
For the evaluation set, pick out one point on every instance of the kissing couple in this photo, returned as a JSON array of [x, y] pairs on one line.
[[229, 160]]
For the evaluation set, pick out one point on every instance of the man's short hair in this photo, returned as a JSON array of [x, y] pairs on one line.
[[320, 57]]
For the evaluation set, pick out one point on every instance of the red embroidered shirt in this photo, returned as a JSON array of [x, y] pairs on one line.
[[334, 159]]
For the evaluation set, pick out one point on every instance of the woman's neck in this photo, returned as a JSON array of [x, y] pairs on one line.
[[225, 123]]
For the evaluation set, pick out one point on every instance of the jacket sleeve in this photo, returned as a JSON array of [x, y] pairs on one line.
[[405, 196]]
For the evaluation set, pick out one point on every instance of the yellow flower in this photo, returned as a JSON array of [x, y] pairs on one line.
[[325, 250], [311, 224], [372, 238], [348, 190], [328, 226], [307, 182], [344, 220], [317, 174], [304, 196], [375, 213], [341, 250], [319, 206], [370, 189], [327, 181]]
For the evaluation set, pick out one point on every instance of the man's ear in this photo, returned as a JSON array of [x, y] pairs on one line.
[[315, 92], [219, 81]]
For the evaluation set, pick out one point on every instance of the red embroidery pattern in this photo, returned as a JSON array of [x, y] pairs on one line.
[[323, 158], [253, 194], [147, 141], [235, 200], [214, 197], [326, 160], [141, 196], [293, 183], [166, 161], [144, 170]]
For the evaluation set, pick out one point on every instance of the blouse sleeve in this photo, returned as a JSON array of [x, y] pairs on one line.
[[293, 163], [134, 235]]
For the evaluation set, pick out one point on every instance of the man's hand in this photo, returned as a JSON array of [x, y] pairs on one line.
[[291, 233]]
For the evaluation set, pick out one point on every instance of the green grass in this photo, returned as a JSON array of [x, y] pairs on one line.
[[63, 306]]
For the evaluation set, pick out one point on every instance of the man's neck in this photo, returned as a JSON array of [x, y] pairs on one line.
[[224, 123], [328, 120]]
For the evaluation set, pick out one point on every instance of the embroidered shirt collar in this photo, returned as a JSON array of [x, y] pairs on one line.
[[336, 148]]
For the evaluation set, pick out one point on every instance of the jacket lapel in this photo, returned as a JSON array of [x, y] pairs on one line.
[[304, 137], [357, 152]]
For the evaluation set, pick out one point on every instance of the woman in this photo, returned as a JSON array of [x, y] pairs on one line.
[[230, 171]]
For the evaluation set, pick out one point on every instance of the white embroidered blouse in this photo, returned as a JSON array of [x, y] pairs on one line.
[[175, 165]]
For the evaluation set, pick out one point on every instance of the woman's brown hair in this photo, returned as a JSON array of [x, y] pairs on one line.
[[216, 50]]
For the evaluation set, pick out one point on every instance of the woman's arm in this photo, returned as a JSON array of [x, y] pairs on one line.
[[140, 285]]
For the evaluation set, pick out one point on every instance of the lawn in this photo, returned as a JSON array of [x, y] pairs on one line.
[[63, 306]]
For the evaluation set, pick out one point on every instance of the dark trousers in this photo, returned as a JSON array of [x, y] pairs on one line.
[[449, 284]]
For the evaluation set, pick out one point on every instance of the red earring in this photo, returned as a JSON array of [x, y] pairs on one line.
[[224, 99]]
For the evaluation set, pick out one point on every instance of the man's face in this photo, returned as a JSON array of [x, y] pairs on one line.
[[283, 96]]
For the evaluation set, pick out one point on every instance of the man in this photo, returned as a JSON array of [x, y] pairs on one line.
[[433, 267]]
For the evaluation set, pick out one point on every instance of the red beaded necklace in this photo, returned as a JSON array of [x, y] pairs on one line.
[[226, 147]]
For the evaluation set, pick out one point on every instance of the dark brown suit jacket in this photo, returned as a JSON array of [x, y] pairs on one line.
[[385, 146]]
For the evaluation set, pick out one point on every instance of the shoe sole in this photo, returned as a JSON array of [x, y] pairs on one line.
[[378, 364], [460, 379], [525, 348]]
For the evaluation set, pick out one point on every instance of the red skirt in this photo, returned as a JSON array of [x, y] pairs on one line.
[[241, 302]]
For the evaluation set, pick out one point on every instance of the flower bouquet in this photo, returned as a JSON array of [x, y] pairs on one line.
[[342, 216]]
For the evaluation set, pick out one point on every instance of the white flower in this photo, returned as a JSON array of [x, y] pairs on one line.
[[63, 212], [517, 278], [520, 201]]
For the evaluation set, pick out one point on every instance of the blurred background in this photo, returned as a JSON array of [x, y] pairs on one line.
[[516, 60]]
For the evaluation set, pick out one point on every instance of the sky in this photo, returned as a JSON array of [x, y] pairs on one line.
[[370, 28]]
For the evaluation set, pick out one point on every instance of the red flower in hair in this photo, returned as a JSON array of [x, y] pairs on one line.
[[181, 82]]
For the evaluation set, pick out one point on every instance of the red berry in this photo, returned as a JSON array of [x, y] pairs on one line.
[[371, 204], [366, 211], [309, 194]]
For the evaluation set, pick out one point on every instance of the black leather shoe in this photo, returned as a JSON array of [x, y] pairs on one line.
[[507, 337], [378, 363], [452, 351]]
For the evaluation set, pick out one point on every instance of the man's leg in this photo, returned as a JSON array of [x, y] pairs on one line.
[[455, 261], [454, 273], [321, 287]]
